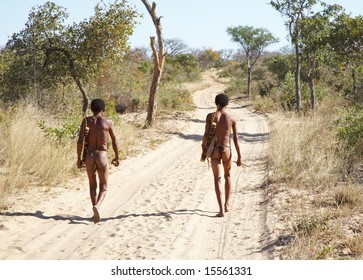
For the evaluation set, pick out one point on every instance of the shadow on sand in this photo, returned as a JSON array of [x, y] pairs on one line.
[[254, 138], [73, 219]]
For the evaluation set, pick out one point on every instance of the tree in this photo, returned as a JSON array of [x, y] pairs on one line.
[[315, 32], [207, 58], [174, 47], [78, 51], [295, 11], [253, 41], [346, 40], [159, 60]]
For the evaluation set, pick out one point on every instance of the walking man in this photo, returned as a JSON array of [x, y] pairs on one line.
[[100, 128], [222, 153]]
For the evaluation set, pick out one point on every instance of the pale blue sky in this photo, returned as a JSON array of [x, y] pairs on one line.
[[199, 24]]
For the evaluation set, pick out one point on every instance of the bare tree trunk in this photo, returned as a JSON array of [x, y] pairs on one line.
[[249, 79], [84, 94], [159, 59], [151, 112], [295, 35], [311, 83], [73, 74], [297, 78]]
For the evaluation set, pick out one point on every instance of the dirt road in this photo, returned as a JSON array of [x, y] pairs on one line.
[[159, 205]]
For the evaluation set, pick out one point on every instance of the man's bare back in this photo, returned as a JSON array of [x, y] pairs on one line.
[[99, 132], [100, 128], [222, 149]]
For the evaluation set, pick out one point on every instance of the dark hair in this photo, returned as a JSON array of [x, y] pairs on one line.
[[221, 100], [98, 105]]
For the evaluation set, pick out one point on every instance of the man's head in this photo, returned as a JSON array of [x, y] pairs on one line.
[[221, 100], [98, 105]]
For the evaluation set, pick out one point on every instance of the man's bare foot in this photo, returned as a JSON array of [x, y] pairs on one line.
[[219, 215], [96, 215], [226, 207]]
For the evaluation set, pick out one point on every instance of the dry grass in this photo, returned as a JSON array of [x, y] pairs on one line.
[[304, 150], [27, 157], [350, 196], [355, 246], [322, 208]]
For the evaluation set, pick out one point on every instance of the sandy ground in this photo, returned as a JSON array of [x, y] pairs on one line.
[[160, 205]]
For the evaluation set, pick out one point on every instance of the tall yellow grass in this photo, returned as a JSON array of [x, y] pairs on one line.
[[324, 206], [304, 150], [27, 157]]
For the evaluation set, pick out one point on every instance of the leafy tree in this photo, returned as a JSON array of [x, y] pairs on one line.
[[281, 65], [315, 32], [207, 58], [253, 41], [74, 52], [295, 11], [346, 40]]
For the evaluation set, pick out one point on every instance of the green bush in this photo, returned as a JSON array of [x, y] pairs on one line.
[[237, 86], [264, 104], [173, 97], [350, 128], [68, 130], [181, 68]]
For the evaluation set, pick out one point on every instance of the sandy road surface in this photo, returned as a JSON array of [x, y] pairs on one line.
[[159, 205]]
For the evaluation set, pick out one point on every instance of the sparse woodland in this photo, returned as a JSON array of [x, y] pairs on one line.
[[311, 91]]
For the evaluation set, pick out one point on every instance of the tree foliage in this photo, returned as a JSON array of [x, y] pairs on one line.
[[253, 41], [77, 52], [315, 32], [295, 12], [207, 58], [346, 40]]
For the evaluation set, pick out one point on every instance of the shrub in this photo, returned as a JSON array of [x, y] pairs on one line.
[[173, 97], [350, 128]]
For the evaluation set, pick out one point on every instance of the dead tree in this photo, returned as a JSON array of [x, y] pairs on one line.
[[159, 59]]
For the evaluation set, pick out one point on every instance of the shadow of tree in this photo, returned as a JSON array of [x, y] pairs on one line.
[[193, 137], [254, 138]]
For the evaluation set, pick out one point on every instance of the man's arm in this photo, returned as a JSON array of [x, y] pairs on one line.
[[80, 144], [236, 143], [115, 161]]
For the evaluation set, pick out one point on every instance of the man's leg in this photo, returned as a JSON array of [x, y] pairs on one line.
[[216, 163], [101, 162], [227, 164], [91, 173]]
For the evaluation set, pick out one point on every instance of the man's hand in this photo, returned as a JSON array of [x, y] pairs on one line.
[[115, 162], [240, 163]]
